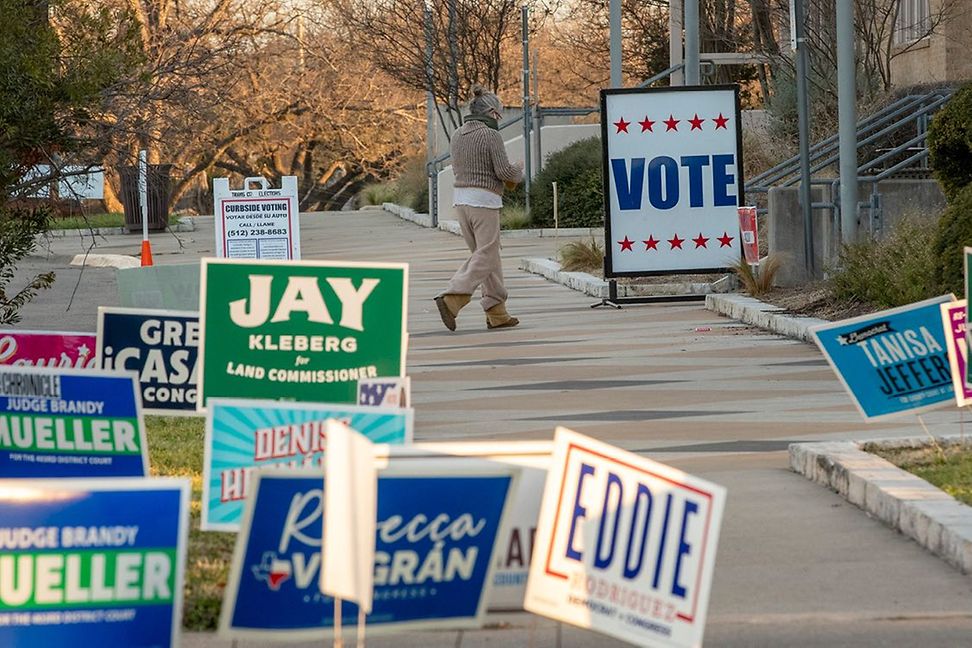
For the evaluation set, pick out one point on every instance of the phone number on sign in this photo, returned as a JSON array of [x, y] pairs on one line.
[[257, 232]]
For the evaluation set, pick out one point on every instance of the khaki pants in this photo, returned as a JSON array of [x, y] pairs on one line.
[[481, 229]]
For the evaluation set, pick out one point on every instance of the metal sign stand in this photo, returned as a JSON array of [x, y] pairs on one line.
[[614, 301]]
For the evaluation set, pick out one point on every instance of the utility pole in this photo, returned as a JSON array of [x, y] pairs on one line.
[[614, 20], [691, 42], [675, 56], [525, 15], [803, 116], [847, 120]]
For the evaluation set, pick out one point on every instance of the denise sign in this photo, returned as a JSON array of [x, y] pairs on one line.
[[47, 349], [257, 223], [242, 436], [892, 362], [92, 562], [625, 546], [305, 331], [437, 532], [673, 179], [70, 423], [161, 346]]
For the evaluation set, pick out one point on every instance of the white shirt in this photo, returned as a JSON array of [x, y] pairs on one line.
[[476, 197]]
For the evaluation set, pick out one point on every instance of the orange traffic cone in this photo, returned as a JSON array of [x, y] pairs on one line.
[[146, 253]]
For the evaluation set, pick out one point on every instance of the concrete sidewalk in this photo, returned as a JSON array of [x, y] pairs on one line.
[[797, 565]]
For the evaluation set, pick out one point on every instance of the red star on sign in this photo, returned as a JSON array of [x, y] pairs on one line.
[[622, 126], [700, 241], [725, 240], [720, 122], [676, 242], [696, 122], [646, 125], [626, 244], [651, 243], [671, 123]]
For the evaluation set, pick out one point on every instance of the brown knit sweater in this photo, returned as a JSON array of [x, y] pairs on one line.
[[479, 158]]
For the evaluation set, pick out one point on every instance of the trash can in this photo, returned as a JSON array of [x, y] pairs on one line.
[[159, 186]]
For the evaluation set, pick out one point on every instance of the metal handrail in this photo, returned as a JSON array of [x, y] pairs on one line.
[[661, 75], [761, 182]]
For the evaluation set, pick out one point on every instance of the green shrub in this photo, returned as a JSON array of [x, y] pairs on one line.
[[413, 185], [950, 143], [514, 216], [19, 231], [898, 269], [953, 234], [577, 172], [378, 194]]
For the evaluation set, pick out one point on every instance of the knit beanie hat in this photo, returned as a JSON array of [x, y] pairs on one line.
[[484, 102]]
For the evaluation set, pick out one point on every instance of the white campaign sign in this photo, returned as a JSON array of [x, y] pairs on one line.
[[350, 515], [257, 223], [673, 179], [625, 546]]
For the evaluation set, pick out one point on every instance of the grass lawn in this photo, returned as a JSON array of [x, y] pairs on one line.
[[92, 221], [176, 450], [953, 473]]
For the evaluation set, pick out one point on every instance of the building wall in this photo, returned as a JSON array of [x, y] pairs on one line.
[[944, 56]]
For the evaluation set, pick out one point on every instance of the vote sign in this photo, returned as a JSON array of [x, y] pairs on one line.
[[92, 562], [892, 362], [305, 331], [437, 532], [625, 546], [161, 346], [47, 349], [673, 178], [70, 423]]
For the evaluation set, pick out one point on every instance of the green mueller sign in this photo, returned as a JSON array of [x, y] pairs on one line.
[[299, 330]]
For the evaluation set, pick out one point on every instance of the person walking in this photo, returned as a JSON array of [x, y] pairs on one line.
[[481, 168]]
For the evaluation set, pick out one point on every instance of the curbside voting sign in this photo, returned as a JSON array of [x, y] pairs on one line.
[[70, 423], [437, 534], [625, 546], [92, 562], [47, 349], [673, 179], [305, 331], [259, 223], [161, 346], [243, 436], [892, 362]]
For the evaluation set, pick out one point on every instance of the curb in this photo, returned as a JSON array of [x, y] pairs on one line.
[[931, 517], [595, 287], [184, 224], [452, 226], [766, 316]]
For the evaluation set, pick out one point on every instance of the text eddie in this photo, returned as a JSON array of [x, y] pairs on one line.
[[625, 546]]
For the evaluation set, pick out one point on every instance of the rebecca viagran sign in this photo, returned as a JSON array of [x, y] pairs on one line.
[[305, 331]]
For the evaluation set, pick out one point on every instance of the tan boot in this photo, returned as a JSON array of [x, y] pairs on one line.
[[449, 307], [497, 317]]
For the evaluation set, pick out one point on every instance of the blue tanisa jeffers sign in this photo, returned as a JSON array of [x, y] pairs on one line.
[[245, 435], [70, 423], [161, 346], [892, 362], [92, 562], [433, 561]]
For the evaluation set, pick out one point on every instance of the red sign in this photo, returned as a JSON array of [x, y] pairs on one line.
[[750, 236]]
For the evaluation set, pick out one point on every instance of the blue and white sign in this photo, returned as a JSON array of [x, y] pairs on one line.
[[892, 362], [673, 178], [437, 535], [245, 435], [161, 346], [92, 562], [625, 545], [70, 423]]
